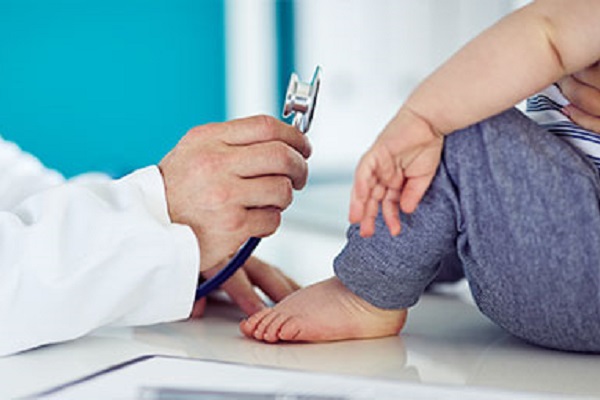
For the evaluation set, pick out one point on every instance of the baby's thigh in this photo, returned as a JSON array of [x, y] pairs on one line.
[[529, 231]]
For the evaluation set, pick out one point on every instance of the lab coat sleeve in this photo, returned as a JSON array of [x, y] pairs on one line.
[[22, 175], [82, 254]]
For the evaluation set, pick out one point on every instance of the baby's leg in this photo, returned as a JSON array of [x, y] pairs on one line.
[[450, 271], [530, 230], [521, 207], [325, 311], [378, 278]]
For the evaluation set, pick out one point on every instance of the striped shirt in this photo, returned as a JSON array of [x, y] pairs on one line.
[[544, 108]]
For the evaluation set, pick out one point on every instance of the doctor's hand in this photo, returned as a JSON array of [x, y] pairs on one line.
[[230, 181], [582, 89], [241, 286]]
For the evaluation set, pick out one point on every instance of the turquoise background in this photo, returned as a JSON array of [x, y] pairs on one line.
[[108, 85]]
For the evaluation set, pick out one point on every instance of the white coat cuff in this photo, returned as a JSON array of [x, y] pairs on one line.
[[150, 181], [176, 285]]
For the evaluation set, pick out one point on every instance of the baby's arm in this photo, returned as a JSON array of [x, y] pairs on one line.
[[518, 56]]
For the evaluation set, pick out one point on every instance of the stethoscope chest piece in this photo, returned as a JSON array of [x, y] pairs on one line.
[[301, 99]]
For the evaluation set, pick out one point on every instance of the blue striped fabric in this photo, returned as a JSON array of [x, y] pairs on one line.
[[544, 108]]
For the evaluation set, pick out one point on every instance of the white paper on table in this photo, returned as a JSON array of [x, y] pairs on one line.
[[141, 378]]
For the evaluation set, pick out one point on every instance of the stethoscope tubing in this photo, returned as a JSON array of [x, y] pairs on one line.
[[233, 265]]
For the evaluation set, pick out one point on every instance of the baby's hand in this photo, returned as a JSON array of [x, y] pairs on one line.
[[582, 89], [395, 172]]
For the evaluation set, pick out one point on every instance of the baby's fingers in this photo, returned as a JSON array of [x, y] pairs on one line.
[[588, 121], [357, 207], [365, 181], [413, 191], [390, 209], [367, 223]]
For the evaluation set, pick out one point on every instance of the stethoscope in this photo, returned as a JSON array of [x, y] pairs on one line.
[[300, 101]]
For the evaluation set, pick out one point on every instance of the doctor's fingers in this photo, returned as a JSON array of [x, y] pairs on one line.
[[266, 191], [262, 222], [257, 274], [241, 291], [198, 308], [226, 201], [271, 158], [237, 225], [271, 280], [261, 129]]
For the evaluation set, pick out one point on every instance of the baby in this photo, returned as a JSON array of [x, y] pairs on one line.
[[518, 204]]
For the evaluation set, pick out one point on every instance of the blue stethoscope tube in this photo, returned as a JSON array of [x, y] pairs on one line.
[[300, 101], [233, 265]]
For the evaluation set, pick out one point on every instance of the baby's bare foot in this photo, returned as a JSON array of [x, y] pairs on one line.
[[325, 311]]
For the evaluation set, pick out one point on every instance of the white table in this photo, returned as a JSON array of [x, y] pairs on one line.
[[446, 342]]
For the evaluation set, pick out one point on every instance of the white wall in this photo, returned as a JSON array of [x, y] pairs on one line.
[[250, 53], [373, 53]]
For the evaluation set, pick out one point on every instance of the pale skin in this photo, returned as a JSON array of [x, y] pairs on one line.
[[231, 181], [545, 42]]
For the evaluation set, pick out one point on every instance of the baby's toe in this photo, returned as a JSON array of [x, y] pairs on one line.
[[249, 325]]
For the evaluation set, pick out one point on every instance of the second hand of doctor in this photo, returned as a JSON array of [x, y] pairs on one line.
[[229, 182]]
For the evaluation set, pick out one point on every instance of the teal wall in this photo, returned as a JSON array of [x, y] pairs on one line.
[[108, 85], [285, 42]]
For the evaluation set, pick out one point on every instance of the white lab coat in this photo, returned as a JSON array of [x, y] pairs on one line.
[[84, 253]]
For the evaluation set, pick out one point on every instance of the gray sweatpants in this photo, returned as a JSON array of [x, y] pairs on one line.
[[520, 207]]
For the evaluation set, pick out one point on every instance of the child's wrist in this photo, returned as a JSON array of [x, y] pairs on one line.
[[438, 121], [423, 118]]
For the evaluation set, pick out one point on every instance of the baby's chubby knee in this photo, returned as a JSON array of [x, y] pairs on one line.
[[512, 140], [507, 131]]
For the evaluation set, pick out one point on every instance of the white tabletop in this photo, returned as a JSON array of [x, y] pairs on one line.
[[446, 341]]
